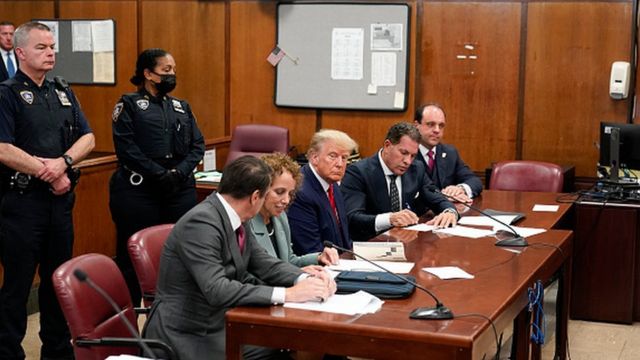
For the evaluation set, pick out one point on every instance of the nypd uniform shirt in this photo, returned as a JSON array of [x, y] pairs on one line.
[[150, 132], [35, 119]]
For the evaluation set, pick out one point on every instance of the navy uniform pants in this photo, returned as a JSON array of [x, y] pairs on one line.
[[134, 208], [37, 229]]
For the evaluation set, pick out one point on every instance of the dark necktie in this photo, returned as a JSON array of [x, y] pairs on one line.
[[11, 70], [393, 194], [332, 201], [430, 160], [240, 236]]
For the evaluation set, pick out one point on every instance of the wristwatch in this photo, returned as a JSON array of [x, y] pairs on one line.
[[67, 160]]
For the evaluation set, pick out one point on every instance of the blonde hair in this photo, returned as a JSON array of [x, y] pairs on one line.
[[340, 138]]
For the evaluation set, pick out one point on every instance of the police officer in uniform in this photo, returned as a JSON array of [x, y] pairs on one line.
[[43, 133], [158, 145]]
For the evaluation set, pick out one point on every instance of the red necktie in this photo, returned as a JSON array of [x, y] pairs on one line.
[[430, 161], [240, 236], [332, 201]]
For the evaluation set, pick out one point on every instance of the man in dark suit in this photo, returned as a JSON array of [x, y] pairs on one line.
[[444, 166], [8, 59], [389, 189], [317, 214], [208, 266]]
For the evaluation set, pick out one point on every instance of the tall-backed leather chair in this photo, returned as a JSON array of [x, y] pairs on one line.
[[525, 175], [257, 139], [97, 331], [145, 248]]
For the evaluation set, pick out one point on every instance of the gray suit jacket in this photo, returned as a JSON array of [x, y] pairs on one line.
[[202, 275], [283, 240]]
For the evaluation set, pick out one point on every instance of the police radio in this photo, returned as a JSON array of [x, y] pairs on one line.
[[71, 135]]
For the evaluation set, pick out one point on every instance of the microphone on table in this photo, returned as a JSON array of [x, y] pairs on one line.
[[516, 239], [83, 277], [439, 312]]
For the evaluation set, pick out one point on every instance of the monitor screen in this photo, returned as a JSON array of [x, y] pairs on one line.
[[629, 144]]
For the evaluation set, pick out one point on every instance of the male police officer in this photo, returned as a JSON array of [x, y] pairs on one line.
[[43, 133]]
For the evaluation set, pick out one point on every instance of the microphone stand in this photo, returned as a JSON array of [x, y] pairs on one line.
[[83, 277], [439, 312], [515, 241]]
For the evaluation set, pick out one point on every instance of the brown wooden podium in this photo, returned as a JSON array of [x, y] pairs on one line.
[[606, 263]]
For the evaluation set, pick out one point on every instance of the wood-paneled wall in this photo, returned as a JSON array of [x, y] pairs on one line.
[[570, 49], [537, 89]]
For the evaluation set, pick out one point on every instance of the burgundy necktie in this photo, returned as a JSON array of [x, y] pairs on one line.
[[332, 201], [240, 236], [430, 160]]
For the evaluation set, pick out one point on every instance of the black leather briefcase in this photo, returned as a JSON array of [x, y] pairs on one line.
[[380, 284]]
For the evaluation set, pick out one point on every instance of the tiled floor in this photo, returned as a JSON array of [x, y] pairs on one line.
[[587, 341]]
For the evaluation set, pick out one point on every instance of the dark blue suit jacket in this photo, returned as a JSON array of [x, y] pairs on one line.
[[4, 75], [311, 218], [451, 170], [366, 195]]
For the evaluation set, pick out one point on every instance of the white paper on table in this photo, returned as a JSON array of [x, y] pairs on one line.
[[522, 231], [485, 220], [395, 267], [420, 227], [351, 304], [465, 231], [126, 357], [448, 272], [546, 208]]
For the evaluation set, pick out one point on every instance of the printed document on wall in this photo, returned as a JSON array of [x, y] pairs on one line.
[[347, 48], [102, 36], [383, 68], [386, 37], [81, 36]]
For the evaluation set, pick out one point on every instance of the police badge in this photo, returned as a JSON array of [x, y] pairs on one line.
[[143, 104], [177, 106], [27, 96], [116, 112]]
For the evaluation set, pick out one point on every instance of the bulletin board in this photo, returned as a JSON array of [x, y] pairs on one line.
[[343, 55], [85, 50]]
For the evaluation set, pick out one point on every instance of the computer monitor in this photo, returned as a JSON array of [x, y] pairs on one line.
[[622, 150]]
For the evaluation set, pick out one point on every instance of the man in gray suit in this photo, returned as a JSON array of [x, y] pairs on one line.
[[208, 266]]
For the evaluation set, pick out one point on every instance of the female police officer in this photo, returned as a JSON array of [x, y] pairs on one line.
[[158, 145]]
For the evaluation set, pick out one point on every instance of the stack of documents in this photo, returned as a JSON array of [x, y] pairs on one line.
[[351, 304], [208, 176], [390, 251]]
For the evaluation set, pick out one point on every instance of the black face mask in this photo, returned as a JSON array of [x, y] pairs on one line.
[[167, 83]]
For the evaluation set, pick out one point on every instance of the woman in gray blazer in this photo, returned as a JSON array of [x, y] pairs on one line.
[[270, 226]]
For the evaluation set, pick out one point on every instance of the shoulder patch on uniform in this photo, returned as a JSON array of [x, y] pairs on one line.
[[117, 110], [27, 96], [143, 104], [177, 106]]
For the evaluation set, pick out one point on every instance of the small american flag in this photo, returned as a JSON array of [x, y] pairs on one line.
[[276, 55]]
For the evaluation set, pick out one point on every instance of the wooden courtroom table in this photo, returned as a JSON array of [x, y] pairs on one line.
[[499, 291]]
